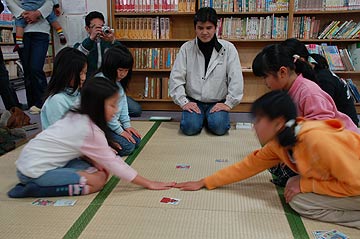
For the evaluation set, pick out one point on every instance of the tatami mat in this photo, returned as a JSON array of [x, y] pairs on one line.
[[20, 219], [249, 209], [240, 210]]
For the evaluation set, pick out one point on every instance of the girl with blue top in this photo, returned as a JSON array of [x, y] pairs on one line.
[[117, 66], [70, 67]]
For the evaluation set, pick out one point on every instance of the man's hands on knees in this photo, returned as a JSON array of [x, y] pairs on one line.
[[191, 107], [220, 107]]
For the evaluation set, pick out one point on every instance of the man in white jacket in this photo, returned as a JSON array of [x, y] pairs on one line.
[[206, 80]]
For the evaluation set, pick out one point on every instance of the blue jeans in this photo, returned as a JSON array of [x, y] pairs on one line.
[[126, 146], [32, 57], [134, 107], [218, 122], [59, 176]]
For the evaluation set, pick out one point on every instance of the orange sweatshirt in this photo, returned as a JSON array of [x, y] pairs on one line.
[[327, 157]]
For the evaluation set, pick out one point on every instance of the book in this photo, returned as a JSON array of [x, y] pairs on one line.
[[332, 55], [354, 90]]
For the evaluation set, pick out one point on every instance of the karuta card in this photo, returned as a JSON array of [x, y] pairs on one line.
[[172, 201], [42, 202], [334, 234], [221, 160], [318, 234], [182, 166], [64, 202]]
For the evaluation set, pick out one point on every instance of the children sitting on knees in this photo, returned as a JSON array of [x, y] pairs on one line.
[[77, 159], [322, 152]]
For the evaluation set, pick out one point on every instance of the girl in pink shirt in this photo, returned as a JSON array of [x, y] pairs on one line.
[[73, 156], [283, 71]]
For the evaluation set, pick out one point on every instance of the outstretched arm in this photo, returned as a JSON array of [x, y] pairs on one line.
[[191, 185], [152, 185]]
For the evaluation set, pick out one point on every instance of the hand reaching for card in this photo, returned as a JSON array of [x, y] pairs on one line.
[[191, 185]]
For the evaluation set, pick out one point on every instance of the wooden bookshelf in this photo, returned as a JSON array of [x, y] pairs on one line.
[[182, 30]]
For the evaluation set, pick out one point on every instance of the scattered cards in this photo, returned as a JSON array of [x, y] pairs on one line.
[[183, 166], [221, 160], [57, 203], [172, 201], [42, 202], [333, 234], [243, 125], [64, 203]]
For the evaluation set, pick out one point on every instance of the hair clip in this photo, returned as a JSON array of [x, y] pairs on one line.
[[296, 57], [290, 123]]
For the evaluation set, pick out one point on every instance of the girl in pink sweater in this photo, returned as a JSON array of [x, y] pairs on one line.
[[73, 156]]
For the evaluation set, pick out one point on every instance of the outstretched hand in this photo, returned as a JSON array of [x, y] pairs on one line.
[[191, 185], [160, 185]]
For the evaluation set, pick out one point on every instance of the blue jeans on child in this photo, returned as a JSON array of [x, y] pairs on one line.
[[33, 6], [126, 146], [59, 176], [218, 122]]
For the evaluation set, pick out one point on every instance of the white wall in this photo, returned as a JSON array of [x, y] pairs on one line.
[[74, 24]]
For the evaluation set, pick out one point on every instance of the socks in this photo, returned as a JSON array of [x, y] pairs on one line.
[[34, 190], [18, 43], [61, 35]]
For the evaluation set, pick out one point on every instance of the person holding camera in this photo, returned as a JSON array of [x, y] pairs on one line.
[[101, 38]]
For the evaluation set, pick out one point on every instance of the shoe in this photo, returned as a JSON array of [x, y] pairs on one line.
[[18, 47], [63, 40], [34, 110]]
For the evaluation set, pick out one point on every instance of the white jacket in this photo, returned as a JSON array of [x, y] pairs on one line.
[[223, 79]]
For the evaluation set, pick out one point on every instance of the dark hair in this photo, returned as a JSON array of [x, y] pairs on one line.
[[276, 104], [93, 95], [205, 14], [272, 57], [297, 47], [93, 15], [320, 62], [68, 64], [117, 57]]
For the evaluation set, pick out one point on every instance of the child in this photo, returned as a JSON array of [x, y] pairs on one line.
[[283, 71], [117, 66], [327, 80], [31, 5], [72, 156], [325, 155], [63, 89]]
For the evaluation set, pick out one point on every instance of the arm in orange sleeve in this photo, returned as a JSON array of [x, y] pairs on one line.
[[252, 164]]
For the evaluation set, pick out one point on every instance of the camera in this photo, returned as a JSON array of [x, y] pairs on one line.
[[106, 29]]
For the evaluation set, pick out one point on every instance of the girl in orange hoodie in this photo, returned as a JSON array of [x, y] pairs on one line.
[[324, 154]]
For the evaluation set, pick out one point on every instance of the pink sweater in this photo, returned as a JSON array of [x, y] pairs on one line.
[[314, 103]]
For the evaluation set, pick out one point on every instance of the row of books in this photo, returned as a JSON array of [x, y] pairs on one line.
[[338, 59], [326, 5], [154, 58], [353, 90], [155, 6], [246, 5], [340, 30], [143, 28], [156, 88], [306, 27], [6, 36], [8, 53], [269, 27]]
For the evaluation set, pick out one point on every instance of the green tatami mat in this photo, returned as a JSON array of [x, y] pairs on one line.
[[20, 219]]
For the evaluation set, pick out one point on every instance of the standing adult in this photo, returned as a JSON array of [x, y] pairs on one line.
[[94, 46], [206, 80], [33, 54]]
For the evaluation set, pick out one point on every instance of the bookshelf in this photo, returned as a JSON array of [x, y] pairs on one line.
[[248, 45]]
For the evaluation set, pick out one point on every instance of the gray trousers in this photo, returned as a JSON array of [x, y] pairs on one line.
[[343, 211]]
